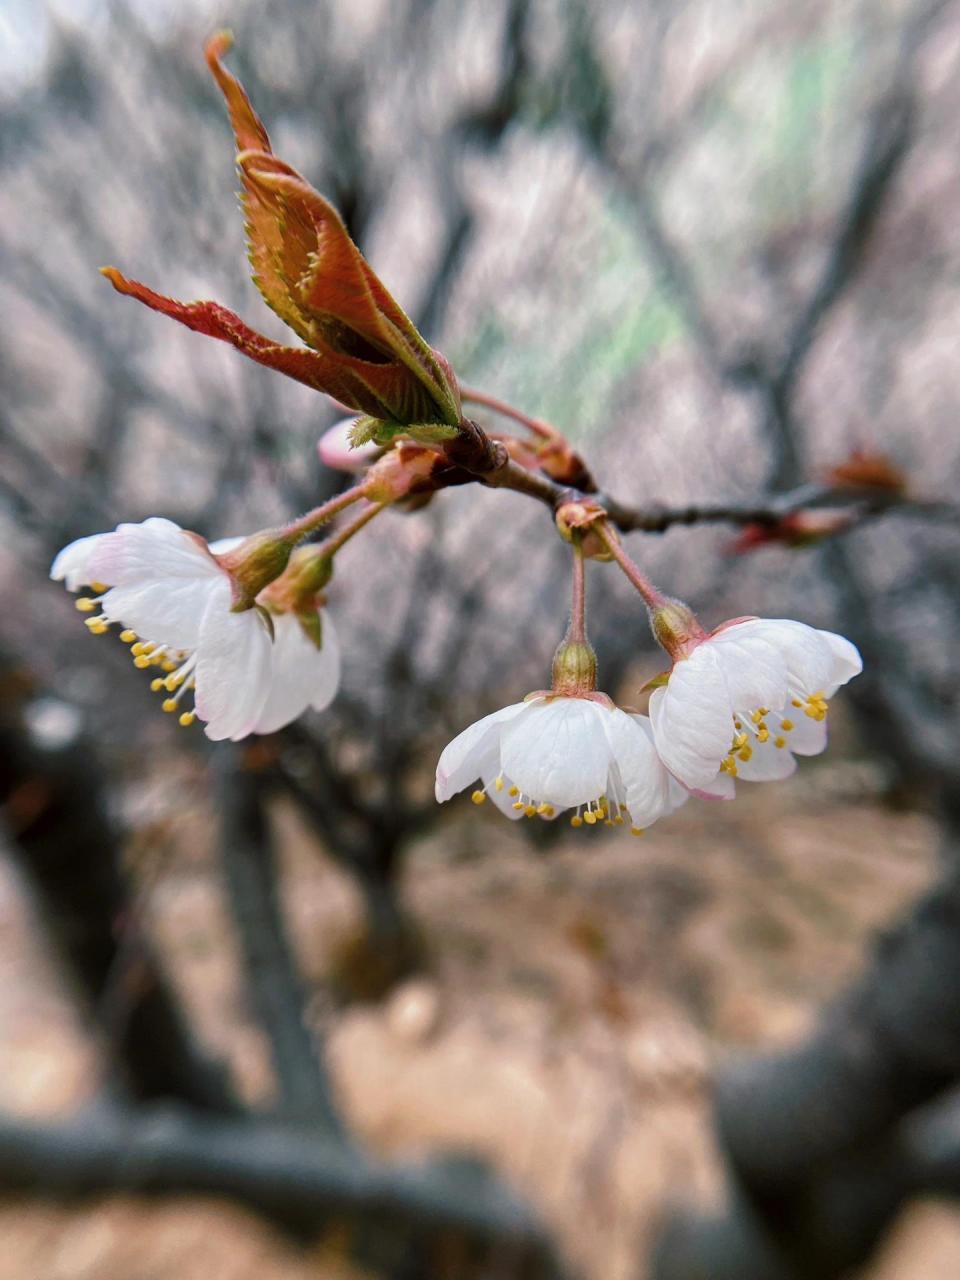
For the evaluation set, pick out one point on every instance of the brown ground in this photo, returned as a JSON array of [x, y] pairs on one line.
[[576, 1007]]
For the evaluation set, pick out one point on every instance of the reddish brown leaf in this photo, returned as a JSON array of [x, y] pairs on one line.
[[382, 390], [313, 275]]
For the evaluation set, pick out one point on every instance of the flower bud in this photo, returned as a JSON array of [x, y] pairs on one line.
[[574, 668], [577, 518], [406, 469], [337, 451]]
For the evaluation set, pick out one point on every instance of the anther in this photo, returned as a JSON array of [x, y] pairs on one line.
[[530, 810], [786, 725], [779, 743], [576, 820], [128, 636], [590, 818], [518, 805], [636, 831], [187, 718], [84, 604], [478, 796], [141, 661], [169, 704], [514, 791], [499, 782], [156, 685]]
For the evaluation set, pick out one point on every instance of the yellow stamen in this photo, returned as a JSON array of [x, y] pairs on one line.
[[128, 636], [99, 587], [545, 810], [84, 604], [745, 752], [530, 810], [636, 831], [156, 685], [188, 718], [141, 661], [499, 783], [169, 704], [786, 725], [518, 805], [779, 743], [514, 791], [590, 818], [576, 821], [478, 796], [763, 733]]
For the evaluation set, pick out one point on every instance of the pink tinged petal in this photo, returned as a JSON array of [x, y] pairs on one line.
[[336, 451], [234, 663], [301, 675], [557, 753], [152, 551], [647, 790], [72, 564], [807, 738], [767, 763], [692, 718], [473, 751]]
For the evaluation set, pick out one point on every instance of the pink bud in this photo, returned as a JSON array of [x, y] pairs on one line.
[[336, 452]]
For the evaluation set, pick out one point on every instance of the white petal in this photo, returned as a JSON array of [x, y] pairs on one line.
[[692, 718], [847, 661], [168, 611], [558, 752], [816, 660], [808, 737], [648, 789], [753, 666], [722, 787], [767, 763], [72, 565], [156, 549], [463, 760], [301, 675], [223, 545], [233, 669]]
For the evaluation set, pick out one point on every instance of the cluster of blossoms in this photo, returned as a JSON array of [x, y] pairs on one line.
[[236, 633]]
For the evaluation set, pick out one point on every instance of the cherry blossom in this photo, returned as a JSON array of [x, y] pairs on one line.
[[172, 597], [745, 700], [551, 753]]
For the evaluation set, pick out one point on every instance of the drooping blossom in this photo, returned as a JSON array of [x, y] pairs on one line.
[[552, 753], [171, 597], [746, 699]]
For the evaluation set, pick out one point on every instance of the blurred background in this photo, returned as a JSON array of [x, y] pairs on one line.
[[269, 1011]]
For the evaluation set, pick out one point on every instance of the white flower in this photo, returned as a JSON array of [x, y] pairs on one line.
[[747, 698], [552, 753], [172, 597]]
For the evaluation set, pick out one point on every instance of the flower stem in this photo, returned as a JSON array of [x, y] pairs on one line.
[[653, 597], [536, 425], [306, 524], [332, 545], [578, 609]]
